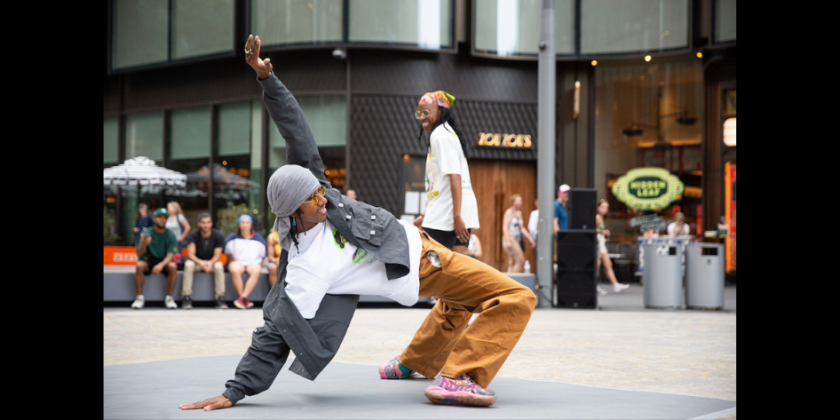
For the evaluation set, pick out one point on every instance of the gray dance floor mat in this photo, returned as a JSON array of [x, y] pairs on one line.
[[154, 390]]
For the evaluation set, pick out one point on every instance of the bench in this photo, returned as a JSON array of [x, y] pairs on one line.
[[118, 286]]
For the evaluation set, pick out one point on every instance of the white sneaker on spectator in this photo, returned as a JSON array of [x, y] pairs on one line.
[[619, 287], [138, 303], [601, 291], [170, 303]]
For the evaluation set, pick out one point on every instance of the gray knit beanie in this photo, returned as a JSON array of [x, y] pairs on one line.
[[288, 188]]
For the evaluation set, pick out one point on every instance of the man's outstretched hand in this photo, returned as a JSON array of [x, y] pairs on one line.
[[252, 57], [209, 404]]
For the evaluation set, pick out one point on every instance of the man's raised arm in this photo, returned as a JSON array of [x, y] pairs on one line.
[[286, 113]]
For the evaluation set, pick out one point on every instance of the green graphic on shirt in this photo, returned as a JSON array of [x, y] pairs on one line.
[[359, 256], [339, 240]]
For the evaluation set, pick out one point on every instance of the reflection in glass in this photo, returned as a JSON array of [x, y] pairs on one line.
[[201, 27], [297, 22], [140, 32], [424, 23], [725, 21], [649, 114], [235, 172], [189, 150], [633, 25], [110, 142], [512, 27], [144, 135]]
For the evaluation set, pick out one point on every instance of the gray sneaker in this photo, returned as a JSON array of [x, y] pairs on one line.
[[138, 303], [220, 303], [170, 303], [186, 303]]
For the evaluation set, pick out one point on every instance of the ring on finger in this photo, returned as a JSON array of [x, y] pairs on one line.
[[247, 52]]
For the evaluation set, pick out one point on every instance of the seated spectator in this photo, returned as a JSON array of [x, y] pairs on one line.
[[246, 251], [154, 255], [204, 250], [274, 250]]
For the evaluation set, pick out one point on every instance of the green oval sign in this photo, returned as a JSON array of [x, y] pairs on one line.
[[648, 188]]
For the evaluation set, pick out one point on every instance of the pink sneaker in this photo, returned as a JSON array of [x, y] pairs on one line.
[[459, 391], [394, 370], [242, 303]]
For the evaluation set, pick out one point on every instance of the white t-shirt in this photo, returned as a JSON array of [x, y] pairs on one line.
[[446, 157], [174, 224], [323, 267], [532, 223], [673, 227]]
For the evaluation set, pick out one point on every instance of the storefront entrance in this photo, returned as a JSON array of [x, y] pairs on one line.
[[494, 182]]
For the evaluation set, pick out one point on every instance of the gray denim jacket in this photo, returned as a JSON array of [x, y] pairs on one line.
[[316, 341]]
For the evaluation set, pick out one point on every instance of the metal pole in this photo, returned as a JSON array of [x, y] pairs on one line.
[[545, 159]]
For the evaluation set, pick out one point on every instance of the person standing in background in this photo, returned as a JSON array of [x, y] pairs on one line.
[[142, 221], [474, 248], [179, 225], [561, 214], [603, 256], [513, 234], [451, 210], [678, 227], [533, 219], [351, 194], [246, 250], [561, 217]]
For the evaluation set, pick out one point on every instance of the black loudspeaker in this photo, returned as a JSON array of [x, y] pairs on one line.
[[582, 207], [575, 279]]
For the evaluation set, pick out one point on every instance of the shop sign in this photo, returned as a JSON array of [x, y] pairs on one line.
[[648, 188], [504, 140]]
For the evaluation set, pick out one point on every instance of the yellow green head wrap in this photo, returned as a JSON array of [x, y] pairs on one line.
[[438, 97]]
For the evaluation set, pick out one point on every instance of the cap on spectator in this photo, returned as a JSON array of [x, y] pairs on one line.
[[563, 188], [160, 212], [245, 217]]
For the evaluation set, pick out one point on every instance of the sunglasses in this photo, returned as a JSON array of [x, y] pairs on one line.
[[418, 114], [313, 200]]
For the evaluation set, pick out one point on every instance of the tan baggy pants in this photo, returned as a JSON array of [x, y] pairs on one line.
[[189, 273], [463, 286]]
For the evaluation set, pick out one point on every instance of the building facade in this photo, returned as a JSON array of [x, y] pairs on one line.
[[639, 83]]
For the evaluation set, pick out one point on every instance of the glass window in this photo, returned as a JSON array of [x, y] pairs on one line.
[[201, 27], [110, 141], [633, 25], [649, 115], [297, 22], [425, 23], [725, 20], [140, 32], [189, 152], [327, 117], [235, 171], [144, 135], [512, 27]]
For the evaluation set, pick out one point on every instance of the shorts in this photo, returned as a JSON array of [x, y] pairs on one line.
[[151, 262], [448, 238], [515, 249], [602, 245]]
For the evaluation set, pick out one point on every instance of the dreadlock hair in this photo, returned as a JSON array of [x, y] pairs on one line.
[[446, 117], [293, 230]]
